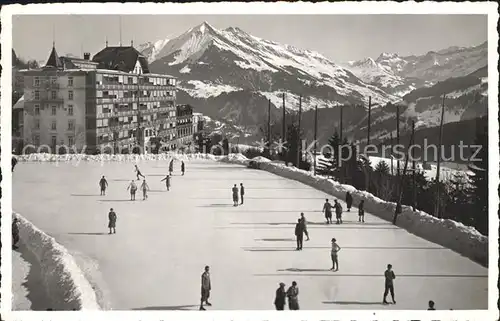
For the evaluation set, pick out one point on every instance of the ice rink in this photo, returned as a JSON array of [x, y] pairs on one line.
[[156, 258]]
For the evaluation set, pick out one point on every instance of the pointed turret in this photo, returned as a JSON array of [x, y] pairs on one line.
[[54, 60]]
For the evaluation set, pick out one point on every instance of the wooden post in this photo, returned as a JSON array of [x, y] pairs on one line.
[[368, 179], [392, 158], [269, 128], [283, 132], [437, 210], [397, 135], [414, 167], [341, 144], [298, 133], [315, 135]]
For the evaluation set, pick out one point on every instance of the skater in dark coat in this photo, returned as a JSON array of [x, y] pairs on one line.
[[293, 296], [206, 286], [14, 163], [303, 221], [431, 306], [389, 284], [327, 208], [171, 167], [338, 212], [348, 200], [280, 299], [103, 183], [15, 233], [361, 211], [183, 168], [235, 195], [299, 234], [112, 221], [167, 182], [242, 192], [138, 172]]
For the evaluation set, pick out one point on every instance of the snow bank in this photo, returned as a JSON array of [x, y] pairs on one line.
[[453, 235], [66, 286]]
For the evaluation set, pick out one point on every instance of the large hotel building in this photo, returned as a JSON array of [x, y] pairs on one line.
[[111, 102]]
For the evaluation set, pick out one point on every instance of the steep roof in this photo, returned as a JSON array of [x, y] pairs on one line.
[[54, 60], [121, 58]]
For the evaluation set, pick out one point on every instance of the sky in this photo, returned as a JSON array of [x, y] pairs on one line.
[[340, 38]]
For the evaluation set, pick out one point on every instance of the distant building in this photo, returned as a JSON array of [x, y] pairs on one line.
[[198, 122], [184, 125], [111, 102]]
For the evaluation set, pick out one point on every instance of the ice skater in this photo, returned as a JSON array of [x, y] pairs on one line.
[[103, 183], [138, 172], [145, 189], [14, 162], [327, 208], [167, 182], [280, 299], [235, 195], [389, 284], [348, 201], [334, 255], [15, 233], [183, 168], [112, 221], [293, 296], [242, 192], [133, 188], [338, 212], [361, 211], [206, 286], [303, 221], [171, 167], [299, 234], [431, 306]]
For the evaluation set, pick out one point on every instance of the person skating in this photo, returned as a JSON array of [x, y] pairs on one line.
[[103, 183], [280, 299], [338, 212], [167, 182], [15, 233], [303, 221], [361, 211], [14, 162], [171, 167], [293, 296], [299, 234], [133, 188], [348, 201], [242, 192], [334, 255], [327, 208], [112, 221], [235, 195], [389, 284], [183, 168], [431, 306], [138, 172], [145, 189], [206, 286]]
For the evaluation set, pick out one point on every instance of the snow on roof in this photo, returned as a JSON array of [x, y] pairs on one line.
[[19, 104]]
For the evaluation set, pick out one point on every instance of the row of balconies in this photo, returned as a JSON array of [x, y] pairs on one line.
[[104, 100], [128, 126], [134, 112], [134, 87]]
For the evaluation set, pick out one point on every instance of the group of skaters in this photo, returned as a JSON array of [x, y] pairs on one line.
[[237, 194], [327, 209]]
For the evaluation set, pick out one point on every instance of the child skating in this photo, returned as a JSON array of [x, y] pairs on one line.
[[138, 172], [167, 182]]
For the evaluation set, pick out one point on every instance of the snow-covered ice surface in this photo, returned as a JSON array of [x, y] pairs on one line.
[[157, 256]]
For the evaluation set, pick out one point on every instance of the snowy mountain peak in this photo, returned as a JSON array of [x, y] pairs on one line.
[[386, 55]]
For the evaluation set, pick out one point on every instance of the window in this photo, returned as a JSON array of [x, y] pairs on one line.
[[53, 80], [71, 125], [105, 122], [53, 125], [70, 95], [70, 110], [36, 82], [37, 123], [36, 140], [54, 140], [70, 81], [71, 140], [99, 94], [99, 79], [37, 110], [54, 110], [53, 95], [37, 95]]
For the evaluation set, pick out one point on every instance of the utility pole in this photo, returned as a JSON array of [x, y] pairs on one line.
[[341, 167], [368, 177], [269, 127], [437, 210], [283, 132], [315, 135], [392, 156], [397, 135], [414, 167], [298, 133]]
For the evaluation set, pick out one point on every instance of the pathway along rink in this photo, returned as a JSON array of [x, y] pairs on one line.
[[156, 258]]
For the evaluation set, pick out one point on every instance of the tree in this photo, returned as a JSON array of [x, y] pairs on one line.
[[383, 182], [330, 166], [225, 146]]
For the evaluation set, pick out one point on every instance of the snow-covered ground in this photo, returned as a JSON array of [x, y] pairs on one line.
[[157, 256]]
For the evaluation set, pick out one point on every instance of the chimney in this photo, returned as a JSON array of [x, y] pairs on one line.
[[86, 55]]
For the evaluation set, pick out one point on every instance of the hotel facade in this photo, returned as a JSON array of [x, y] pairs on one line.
[[109, 103]]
